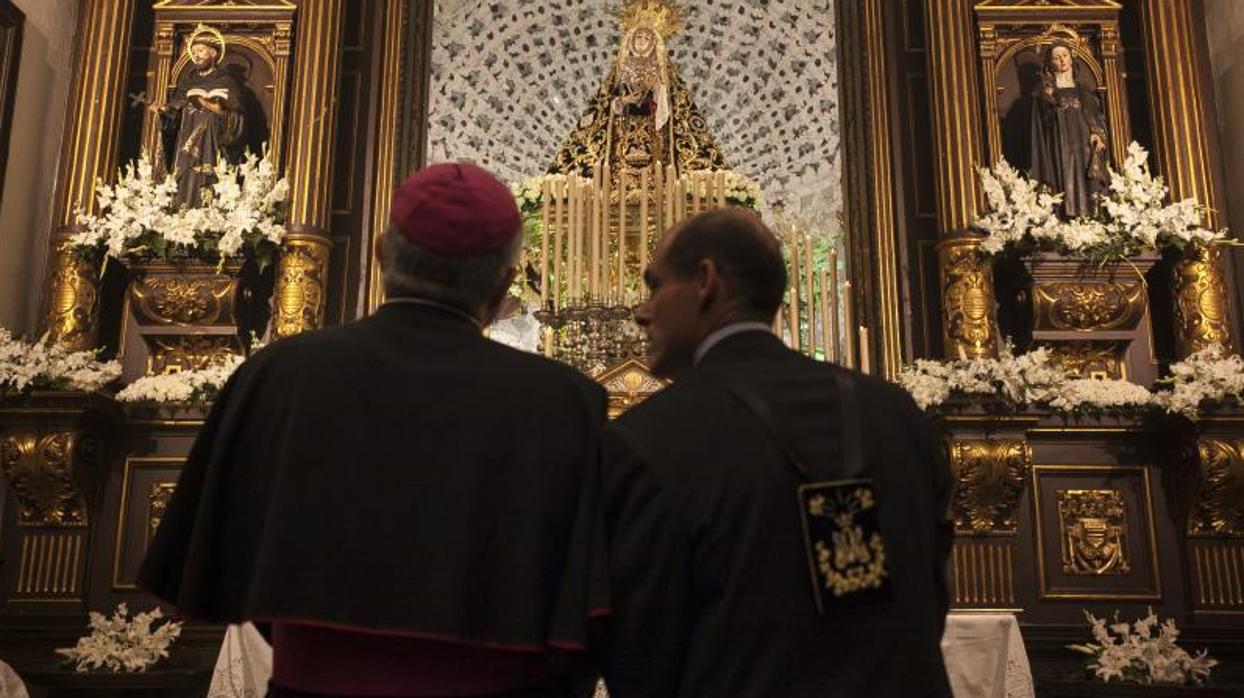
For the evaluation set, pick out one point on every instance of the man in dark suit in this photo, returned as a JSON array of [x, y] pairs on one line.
[[722, 584], [411, 506]]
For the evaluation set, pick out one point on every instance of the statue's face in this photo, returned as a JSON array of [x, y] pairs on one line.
[[1060, 59], [203, 55], [643, 41]]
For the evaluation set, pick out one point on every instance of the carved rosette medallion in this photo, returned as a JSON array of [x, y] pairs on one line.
[[990, 478], [73, 301], [1093, 531], [300, 286], [1218, 509], [1087, 306], [1202, 313], [39, 470], [969, 325]]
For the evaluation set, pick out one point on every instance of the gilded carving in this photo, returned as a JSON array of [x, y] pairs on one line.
[[1085, 306], [157, 503], [300, 291], [1219, 506], [990, 478], [967, 300], [1089, 359], [627, 385], [1202, 314], [186, 298], [39, 470], [1092, 526], [188, 352], [73, 301]]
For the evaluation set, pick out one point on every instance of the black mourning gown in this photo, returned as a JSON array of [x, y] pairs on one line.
[[1062, 154]]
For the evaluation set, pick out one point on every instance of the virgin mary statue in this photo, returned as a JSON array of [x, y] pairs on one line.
[[1068, 146], [642, 114]]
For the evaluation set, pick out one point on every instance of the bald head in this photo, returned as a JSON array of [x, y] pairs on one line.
[[747, 255]]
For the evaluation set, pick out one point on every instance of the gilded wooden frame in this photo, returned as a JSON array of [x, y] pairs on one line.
[[12, 23]]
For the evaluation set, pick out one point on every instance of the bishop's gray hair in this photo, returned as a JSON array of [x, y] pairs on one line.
[[410, 269]]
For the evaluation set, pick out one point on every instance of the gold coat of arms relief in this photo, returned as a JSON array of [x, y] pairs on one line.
[[1092, 524]]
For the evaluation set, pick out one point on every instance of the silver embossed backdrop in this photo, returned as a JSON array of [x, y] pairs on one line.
[[510, 77]]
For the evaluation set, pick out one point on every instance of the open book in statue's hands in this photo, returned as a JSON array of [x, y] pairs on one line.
[[211, 100]]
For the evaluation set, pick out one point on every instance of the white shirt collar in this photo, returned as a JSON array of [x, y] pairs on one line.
[[716, 336]]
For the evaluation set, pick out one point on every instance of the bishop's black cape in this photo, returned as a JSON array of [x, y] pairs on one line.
[[712, 593], [400, 473]]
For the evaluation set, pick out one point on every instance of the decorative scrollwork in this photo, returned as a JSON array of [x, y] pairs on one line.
[[300, 290], [1089, 359], [967, 300], [1219, 506], [157, 504], [73, 305], [185, 298], [1202, 313], [1089, 305], [1093, 532], [39, 469], [188, 352], [628, 384], [990, 481]]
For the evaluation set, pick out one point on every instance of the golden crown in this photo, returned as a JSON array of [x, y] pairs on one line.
[[665, 16]]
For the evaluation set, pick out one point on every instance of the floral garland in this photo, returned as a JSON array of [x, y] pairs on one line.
[[43, 366], [120, 643], [196, 387], [1210, 376], [1133, 215], [243, 211], [1027, 379], [1137, 656]]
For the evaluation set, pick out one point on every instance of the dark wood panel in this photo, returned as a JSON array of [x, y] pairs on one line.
[[12, 23]]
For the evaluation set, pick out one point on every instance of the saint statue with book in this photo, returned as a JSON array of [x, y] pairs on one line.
[[204, 121]]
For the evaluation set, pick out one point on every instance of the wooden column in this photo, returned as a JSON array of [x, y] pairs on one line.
[[88, 153], [969, 325], [387, 120], [1182, 144], [303, 268]]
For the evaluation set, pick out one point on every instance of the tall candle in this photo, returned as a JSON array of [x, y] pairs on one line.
[[827, 340], [849, 317], [620, 283], [643, 219], [834, 339], [559, 279], [795, 295], [810, 295], [865, 360], [545, 195]]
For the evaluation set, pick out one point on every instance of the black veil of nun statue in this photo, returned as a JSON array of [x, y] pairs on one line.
[[1068, 146], [204, 120]]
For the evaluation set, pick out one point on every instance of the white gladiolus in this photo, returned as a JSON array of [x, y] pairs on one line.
[[1027, 379], [1139, 655], [185, 387], [120, 643], [242, 209], [25, 367], [1210, 376], [1133, 214]]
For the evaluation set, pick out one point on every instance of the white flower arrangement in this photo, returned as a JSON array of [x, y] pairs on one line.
[[1027, 379], [44, 366], [521, 331], [1133, 215], [136, 219], [184, 387], [740, 190], [529, 193], [120, 643], [1136, 655], [1210, 376]]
